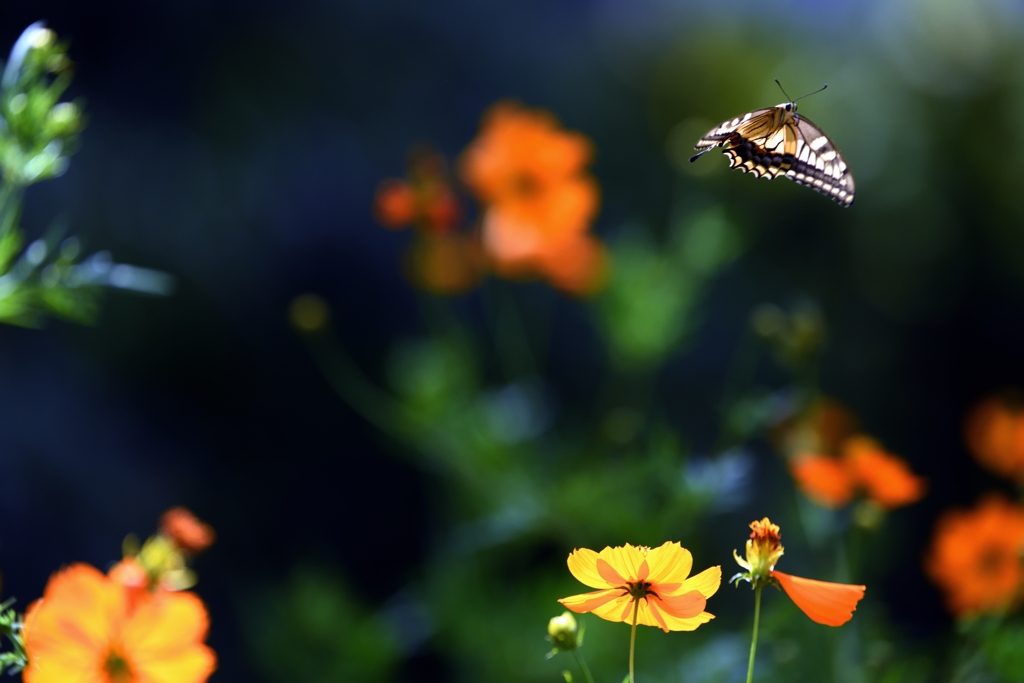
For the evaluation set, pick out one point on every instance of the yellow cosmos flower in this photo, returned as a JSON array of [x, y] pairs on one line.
[[650, 585]]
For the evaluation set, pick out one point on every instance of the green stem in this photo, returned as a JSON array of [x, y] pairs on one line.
[[632, 638], [10, 202], [583, 666], [753, 642]]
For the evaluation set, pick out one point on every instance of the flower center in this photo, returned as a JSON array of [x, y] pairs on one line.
[[639, 589], [117, 669], [525, 185], [990, 561]]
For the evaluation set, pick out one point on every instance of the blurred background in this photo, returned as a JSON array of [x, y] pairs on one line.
[[240, 146]]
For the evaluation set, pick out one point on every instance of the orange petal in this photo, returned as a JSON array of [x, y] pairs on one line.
[[609, 574], [73, 624], [887, 478], [588, 602], [824, 480], [831, 604], [165, 626], [663, 619], [683, 606]]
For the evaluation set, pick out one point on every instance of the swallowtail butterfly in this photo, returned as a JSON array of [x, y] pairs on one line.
[[778, 141]]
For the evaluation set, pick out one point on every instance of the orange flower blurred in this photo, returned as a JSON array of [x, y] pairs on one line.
[[995, 435], [886, 479], [185, 529], [426, 199], [85, 628], [831, 604], [538, 201], [976, 555], [650, 585]]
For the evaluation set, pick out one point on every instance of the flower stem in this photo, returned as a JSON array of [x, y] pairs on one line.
[[753, 641], [583, 666], [632, 638]]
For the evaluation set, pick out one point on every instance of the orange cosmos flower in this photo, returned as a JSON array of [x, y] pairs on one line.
[[85, 628], [976, 555], [529, 175], [832, 482], [995, 435], [653, 582], [831, 604]]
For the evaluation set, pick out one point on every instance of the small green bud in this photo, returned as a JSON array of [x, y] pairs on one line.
[[42, 38], [63, 119], [563, 632]]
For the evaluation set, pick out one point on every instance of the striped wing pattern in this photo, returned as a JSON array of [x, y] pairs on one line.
[[768, 145], [820, 166]]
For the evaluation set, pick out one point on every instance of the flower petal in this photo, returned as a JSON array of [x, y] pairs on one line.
[[669, 563], [683, 606], [625, 560], [609, 574], [612, 610], [164, 627], [583, 565], [650, 612], [706, 583], [587, 602], [824, 480], [74, 622], [831, 604], [652, 607]]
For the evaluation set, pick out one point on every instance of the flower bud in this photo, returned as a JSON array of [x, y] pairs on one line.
[[563, 632], [764, 548]]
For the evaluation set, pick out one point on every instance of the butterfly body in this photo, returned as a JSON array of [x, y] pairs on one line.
[[778, 141]]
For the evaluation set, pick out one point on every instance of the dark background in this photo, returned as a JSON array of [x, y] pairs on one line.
[[238, 146]]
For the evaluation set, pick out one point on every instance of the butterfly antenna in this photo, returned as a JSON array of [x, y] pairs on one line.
[[812, 93], [788, 98]]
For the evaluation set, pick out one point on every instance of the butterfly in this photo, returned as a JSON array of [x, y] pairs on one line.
[[778, 141]]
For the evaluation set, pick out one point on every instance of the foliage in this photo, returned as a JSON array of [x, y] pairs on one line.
[[38, 134]]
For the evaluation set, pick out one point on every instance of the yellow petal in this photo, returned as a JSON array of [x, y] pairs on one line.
[[583, 565], [625, 560], [165, 626], [613, 610], [669, 563], [706, 583], [690, 624], [586, 602], [831, 604]]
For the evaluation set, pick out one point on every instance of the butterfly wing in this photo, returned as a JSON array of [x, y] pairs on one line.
[[719, 135], [754, 143], [818, 164]]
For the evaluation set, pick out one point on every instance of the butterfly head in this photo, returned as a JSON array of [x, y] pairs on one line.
[[787, 106]]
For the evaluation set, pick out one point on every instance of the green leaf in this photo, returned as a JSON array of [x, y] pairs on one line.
[[10, 244]]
